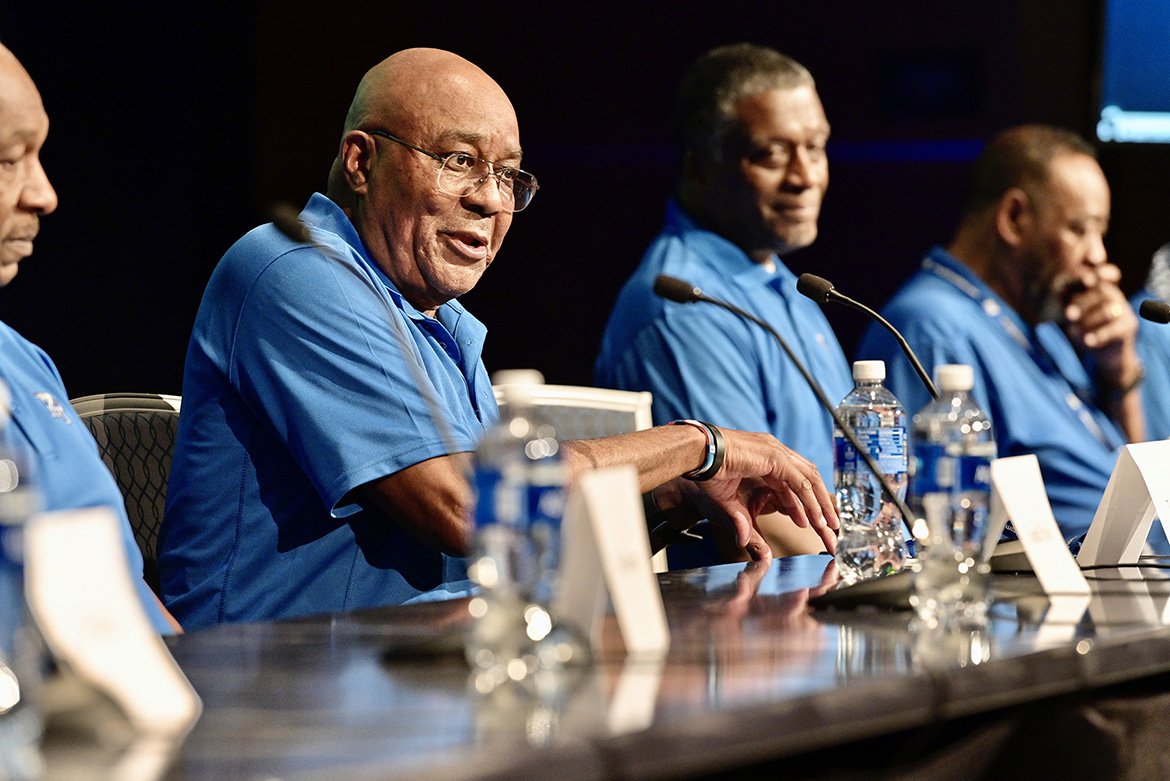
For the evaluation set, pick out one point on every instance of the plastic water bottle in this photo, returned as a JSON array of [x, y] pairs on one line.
[[952, 446], [871, 542], [20, 643], [520, 484]]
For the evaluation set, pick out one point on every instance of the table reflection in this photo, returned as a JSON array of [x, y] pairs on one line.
[[754, 669]]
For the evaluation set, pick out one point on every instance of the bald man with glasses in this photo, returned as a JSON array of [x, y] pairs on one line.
[[333, 387]]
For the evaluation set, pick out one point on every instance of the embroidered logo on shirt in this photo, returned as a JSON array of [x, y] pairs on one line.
[[54, 407]]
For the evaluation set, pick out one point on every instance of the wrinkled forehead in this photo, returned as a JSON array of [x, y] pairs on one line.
[[457, 104]]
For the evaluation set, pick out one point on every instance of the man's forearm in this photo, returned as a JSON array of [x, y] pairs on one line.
[[659, 454]]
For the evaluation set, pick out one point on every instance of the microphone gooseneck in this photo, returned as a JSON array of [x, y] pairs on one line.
[[664, 285], [1155, 311], [822, 291]]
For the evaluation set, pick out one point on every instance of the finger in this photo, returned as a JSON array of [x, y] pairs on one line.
[[1109, 272], [829, 537], [1107, 324], [790, 504], [817, 501], [757, 548]]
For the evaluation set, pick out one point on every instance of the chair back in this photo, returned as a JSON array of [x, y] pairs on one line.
[[135, 433], [580, 412]]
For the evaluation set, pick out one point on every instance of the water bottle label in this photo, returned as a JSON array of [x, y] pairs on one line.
[[546, 504], [497, 500], [974, 473], [934, 471], [515, 502], [937, 472], [887, 446]]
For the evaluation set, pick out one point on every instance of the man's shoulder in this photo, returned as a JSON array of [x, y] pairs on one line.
[[927, 298], [19, 354]]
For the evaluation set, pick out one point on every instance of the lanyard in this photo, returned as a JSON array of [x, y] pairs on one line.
[[1075, 398]]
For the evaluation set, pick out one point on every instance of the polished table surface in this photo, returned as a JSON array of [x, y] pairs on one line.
[[753, 673]]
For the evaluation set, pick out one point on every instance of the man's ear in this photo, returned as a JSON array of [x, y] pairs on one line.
[[1014, 217], [356, 155]]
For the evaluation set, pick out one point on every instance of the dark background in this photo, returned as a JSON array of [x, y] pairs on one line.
[[176, 125]]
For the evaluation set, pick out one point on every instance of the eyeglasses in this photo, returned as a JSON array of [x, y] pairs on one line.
[[463, 174]]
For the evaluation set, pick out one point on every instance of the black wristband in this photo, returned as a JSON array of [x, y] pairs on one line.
[[720, 451]]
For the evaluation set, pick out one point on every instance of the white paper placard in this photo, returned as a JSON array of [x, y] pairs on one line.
[[1138, 489], [1060, 620], [631, 708], [80, 591], [606, 552], [1017, 493]]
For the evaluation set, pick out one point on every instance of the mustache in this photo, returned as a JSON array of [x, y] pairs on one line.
[[25, 230]]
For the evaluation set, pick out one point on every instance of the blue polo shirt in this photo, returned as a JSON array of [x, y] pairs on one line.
[[1029, 381], [69, 472], [296, 390], [701, 361], [1153, 345]]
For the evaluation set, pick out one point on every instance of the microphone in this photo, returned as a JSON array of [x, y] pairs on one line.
[[674, 289], [822, 291], [1153, 310]]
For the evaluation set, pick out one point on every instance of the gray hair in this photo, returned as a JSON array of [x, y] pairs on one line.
[[717, 81]]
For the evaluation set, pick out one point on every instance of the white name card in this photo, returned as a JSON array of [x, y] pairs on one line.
[[606, 553], [1138, 489], [80, 591], [1017, 493]]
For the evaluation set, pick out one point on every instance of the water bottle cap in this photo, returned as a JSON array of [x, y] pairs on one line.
[[514, 385], [954, 377], [517, 377], [869, 371]]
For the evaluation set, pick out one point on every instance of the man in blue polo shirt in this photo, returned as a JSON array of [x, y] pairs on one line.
[[1022, 293], [1153, 344], [333, 389], [69, 472], [753, 174]]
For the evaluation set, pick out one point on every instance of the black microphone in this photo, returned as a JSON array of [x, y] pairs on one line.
[[1153, 310], [674, 289], [822, 291]]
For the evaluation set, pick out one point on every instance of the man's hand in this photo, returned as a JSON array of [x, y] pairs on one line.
[[1101, 320], [761, 475]]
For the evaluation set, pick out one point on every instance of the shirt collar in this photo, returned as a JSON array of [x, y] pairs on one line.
[[323, 213], [745, 271]]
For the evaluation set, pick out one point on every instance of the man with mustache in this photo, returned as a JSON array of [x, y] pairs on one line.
[[39, 421], [1023, 293], [311, 474], [753, 173]]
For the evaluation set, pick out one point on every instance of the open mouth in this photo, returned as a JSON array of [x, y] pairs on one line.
[[468, 244]]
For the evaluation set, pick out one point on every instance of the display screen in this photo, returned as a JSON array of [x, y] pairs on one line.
[[1135, 72]]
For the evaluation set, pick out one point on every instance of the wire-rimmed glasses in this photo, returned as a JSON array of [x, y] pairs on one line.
[[462, 174]]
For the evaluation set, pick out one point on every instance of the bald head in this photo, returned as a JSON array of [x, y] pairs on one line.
[[416, 92], [25, 192]]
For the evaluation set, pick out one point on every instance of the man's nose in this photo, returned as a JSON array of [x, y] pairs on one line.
[[488, 198], [37, 195]]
